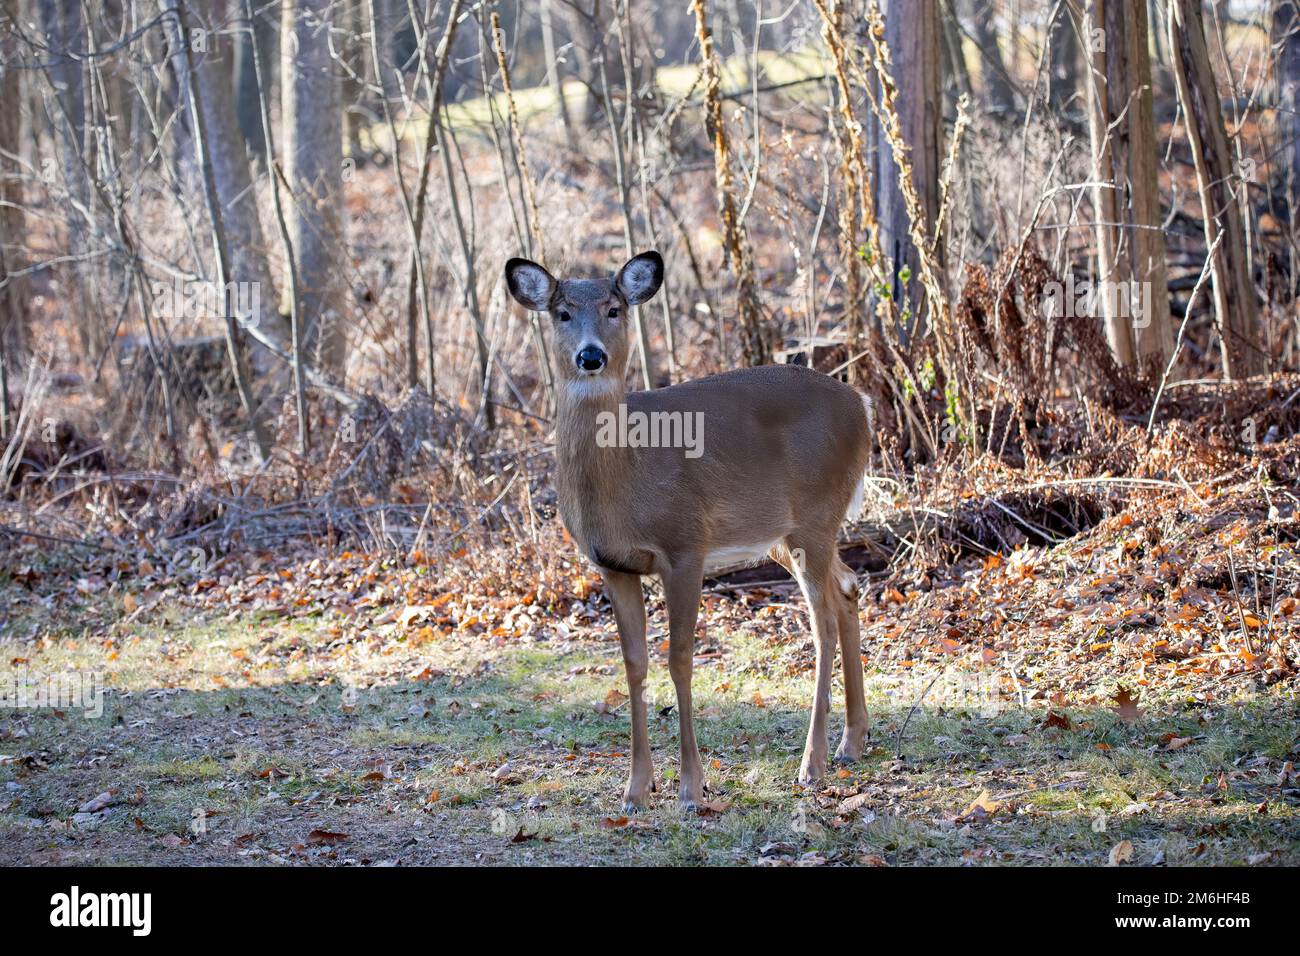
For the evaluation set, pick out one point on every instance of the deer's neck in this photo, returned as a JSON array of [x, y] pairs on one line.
[[592, 473]]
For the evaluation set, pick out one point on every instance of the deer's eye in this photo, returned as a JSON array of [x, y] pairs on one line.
[[564, 316], [613, 312]]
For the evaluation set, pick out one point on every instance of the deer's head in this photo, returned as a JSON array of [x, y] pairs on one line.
[[591, 339]]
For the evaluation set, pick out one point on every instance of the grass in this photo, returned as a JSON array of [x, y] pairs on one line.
[[256, 740]]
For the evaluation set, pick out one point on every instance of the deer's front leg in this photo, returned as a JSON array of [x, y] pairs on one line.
[[629, 612], [682, 591]]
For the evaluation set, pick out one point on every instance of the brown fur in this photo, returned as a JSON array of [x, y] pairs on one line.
[[783, 449]]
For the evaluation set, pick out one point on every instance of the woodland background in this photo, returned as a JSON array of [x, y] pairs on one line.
[[275, 448]]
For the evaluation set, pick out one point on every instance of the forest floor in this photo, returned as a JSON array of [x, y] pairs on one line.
[[1102, 700]]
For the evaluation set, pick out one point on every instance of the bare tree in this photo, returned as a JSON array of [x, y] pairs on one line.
[[220, 243], [65, 31], [213, 72], [1236, 306], [553, 78], [312, 115], [995, 80], [955, 70], [13, 320], [1065, 55], [259, 36], [295, 357], [591, 24], [1121, 127], [1286, 64], [913, 34], [13, 329], [756, 346]]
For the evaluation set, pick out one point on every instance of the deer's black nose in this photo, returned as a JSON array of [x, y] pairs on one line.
[[591, 359]]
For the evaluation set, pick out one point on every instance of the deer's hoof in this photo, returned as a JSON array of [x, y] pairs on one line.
[[847, 753], [851, 746], [690, 800], [810, 774], [635, 800]]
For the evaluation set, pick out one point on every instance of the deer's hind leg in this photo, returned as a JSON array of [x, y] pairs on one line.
[[845, 600], [811, 560]]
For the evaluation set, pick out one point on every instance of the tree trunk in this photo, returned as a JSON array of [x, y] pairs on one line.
[[1125, 148], [1236, 307], [233, 178], [954, 56], [1066, 53], [64, 29], [353, 76], [391, 17], [1286, 47], [13, 318], [261, 32], [220, 246], [314, 171], [756, 345], [590, 22], [993, 72], [913, 33], [553, 78]]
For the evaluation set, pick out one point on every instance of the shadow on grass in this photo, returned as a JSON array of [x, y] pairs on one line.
[[516, 765]]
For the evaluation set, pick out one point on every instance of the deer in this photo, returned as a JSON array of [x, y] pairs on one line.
[[781, 461]]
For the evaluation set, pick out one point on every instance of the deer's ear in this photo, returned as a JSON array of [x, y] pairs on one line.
[[640, 277], [530, 284]]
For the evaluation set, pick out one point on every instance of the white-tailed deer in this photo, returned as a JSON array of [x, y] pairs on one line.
[[777, 457]]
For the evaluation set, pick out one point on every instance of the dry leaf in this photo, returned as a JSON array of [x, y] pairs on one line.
[[615, 698], [1056, 719], [981, 808], [1121, 852], [97, 803], [412, 614], [852, 804], [1126, 705]]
